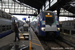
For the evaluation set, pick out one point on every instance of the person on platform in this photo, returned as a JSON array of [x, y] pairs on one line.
[[16, 30]]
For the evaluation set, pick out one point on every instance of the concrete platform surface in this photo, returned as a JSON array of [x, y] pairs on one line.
[[7, 42], [35, 43]]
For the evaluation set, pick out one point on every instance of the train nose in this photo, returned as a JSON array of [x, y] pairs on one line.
[[50, 28]]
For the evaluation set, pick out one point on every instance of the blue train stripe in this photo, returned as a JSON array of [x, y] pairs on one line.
[[6, 33]]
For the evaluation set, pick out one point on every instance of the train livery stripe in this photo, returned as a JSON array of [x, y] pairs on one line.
[[6, 33]]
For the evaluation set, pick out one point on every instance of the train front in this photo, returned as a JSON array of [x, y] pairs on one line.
[[50, 29]]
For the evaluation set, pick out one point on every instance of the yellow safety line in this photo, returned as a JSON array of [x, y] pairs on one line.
[[30, 45], [36, 44], [34, 37], [35, 40]]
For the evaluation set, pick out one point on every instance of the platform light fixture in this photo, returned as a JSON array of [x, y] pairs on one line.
[[7, 10]]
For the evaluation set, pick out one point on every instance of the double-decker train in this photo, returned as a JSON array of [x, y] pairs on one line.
[[47, 24], [7, 23]]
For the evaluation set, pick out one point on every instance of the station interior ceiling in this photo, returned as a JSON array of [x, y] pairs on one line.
[[16, 7], [66, 7]]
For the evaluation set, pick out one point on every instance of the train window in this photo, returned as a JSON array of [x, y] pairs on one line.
[[6, 27], [3, 25], [3, 28], [9, 26]]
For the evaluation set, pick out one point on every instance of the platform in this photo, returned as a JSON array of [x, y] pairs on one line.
[[35, 41], [7, 42]]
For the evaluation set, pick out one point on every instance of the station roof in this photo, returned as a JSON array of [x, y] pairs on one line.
[[61, 3], [66, 4], [34, 3], [70, 6]]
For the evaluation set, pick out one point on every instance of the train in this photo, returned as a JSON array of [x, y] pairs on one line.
[[47, 24], [7, 23], [68, 26]]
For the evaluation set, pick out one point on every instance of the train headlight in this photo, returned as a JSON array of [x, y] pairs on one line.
[[43, 28], [58, 29]]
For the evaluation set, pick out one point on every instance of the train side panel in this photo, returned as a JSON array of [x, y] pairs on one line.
[[41, 24]]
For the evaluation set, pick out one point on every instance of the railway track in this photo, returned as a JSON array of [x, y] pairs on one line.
[[55, 45]]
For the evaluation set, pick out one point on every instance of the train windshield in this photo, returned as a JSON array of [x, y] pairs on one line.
[[49, 18]]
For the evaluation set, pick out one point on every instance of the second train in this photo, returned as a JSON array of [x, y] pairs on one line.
[[47, 24]]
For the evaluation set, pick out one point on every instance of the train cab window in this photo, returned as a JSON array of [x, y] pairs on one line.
[[49, 19]]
